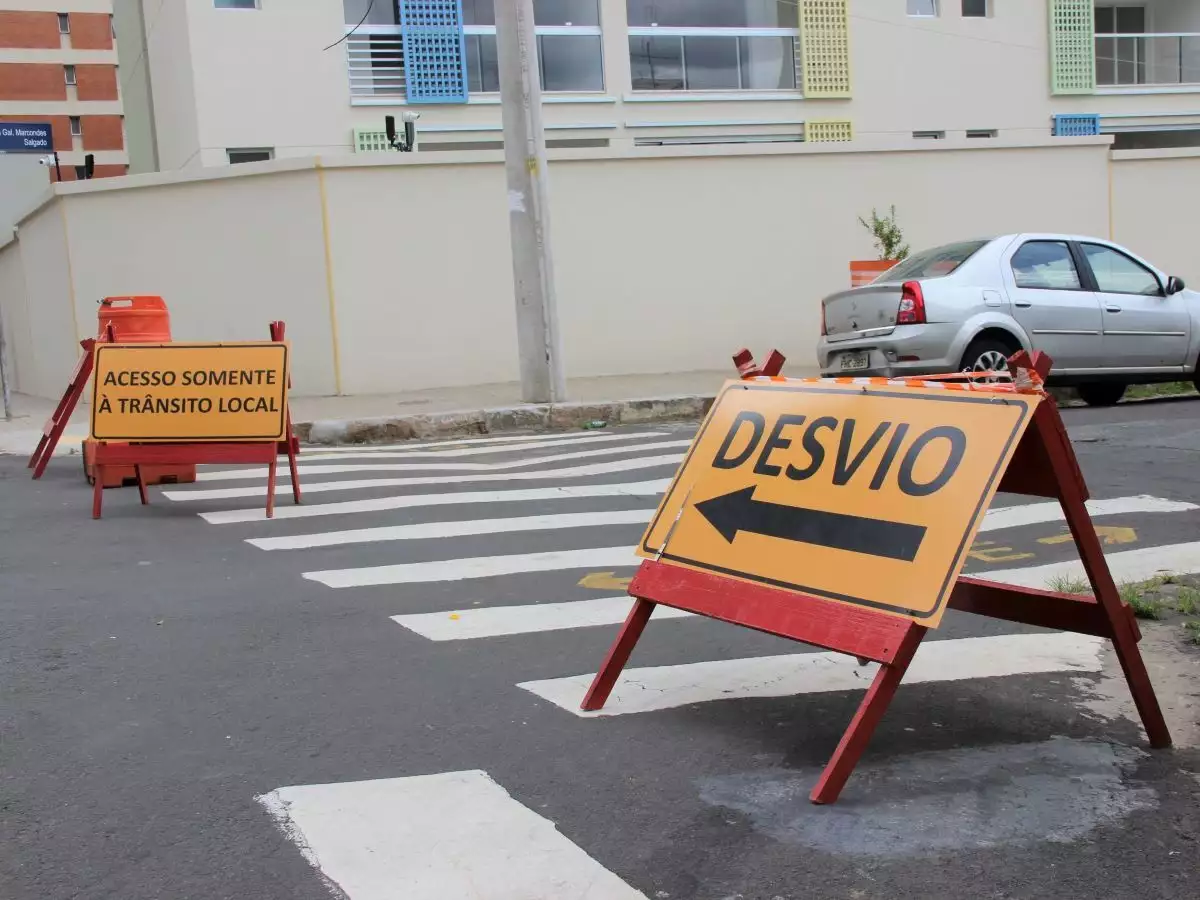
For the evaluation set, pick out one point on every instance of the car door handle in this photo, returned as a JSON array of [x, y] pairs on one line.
[[1023, 304], [1112, 309]]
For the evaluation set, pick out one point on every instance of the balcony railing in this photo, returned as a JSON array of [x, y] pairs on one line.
[[375, 54], [1150, 60]]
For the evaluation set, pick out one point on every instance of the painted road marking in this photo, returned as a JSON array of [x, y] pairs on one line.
[[667, 687], [523, 439], [1128, 565], [407, 501], [497, 621], [321, 487], [430, 530], [476, 567], [391, 451], [257, 474], [436, 837], [1109, 534]]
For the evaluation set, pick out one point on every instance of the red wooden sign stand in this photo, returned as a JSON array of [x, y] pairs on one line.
[[138, 455], [1044, 465], [57, 423]]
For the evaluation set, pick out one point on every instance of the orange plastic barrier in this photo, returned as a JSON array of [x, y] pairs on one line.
[[143, 319]]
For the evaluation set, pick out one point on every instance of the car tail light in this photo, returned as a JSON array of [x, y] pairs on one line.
[[912, 304], [823, 332]]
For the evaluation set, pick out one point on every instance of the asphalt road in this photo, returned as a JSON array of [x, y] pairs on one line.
[[167, 691]]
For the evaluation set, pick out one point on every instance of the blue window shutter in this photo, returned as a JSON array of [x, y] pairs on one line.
[[1076, 125], [435, 57]]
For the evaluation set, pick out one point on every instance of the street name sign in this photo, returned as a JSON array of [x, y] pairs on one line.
[[26, 137], [866, 496], [190, 392]]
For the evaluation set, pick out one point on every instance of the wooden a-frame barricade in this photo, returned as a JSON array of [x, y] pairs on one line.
[[1044, 465]]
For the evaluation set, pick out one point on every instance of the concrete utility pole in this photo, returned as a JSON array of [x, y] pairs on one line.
[[538, 340]]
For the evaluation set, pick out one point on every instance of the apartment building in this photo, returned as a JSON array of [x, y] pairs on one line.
[[58, 64], [243, 80]]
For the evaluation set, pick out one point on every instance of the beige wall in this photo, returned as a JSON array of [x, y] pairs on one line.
[[1152, 191], [667, 259], [169, 58]]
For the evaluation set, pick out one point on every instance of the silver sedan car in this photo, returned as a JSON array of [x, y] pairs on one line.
[[1107, 317]]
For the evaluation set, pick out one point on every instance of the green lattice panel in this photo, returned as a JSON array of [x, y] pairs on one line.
[[828, 131], [825, 47], [1072, 47], [367, 140]]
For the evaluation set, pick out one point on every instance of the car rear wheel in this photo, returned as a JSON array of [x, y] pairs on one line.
[[986, 355], [1101, 394]]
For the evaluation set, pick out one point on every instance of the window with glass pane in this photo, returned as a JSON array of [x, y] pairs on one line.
[[1045, 265], [922, 7], [1121, 58], [570, 52], [752, 45], [975, 9], [1116, 273]]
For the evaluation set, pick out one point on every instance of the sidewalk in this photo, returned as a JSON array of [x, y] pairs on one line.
[[443, 412]]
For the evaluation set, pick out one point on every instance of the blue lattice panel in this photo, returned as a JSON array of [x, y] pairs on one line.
[[1076, 125], [435, 59]]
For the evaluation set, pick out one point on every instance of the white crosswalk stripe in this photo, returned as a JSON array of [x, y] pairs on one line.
[[449, 836], [322, 487], [339, 469]]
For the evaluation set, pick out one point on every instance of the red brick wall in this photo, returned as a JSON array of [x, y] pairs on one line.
[[59, 125], [90, 31], [29, 30], [103, 133], [95, 82], [109, 171], [32, 81]]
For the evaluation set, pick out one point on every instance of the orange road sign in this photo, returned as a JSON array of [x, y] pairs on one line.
[[868, 495], [190, 392]]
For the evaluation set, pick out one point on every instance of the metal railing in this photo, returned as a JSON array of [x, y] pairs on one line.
[[375, 54], [1149, 60]]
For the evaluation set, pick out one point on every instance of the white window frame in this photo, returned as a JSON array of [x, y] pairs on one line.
[[76, 124], [70, 75], [257, 5], [64, 19], [542, 31], [937, 11], [682, 32], [988, 10]]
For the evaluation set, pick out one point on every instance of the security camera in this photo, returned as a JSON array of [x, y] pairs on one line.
[[410, 116], [46, 161]]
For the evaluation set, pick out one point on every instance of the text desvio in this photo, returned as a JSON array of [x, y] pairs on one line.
[[819, 437]]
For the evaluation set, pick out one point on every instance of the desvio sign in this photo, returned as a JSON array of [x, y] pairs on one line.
[[26, 137], [866, 496]]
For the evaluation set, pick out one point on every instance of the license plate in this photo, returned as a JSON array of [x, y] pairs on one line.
[[853, 361]]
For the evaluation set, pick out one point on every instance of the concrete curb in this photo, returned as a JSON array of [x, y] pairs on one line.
[[527, 417]]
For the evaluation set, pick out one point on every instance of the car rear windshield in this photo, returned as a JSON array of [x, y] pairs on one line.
[[933, 263]]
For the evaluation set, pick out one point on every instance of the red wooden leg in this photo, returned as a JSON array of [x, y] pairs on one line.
[[271, 469], [141, 480], [98, 491], [862, 726], [291, 444], [1124, 628], [618, 654]]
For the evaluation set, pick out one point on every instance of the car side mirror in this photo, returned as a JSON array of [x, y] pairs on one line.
[[1174, 285]]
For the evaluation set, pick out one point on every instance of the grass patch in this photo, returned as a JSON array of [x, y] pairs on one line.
[[1069, 584], [1134, 594], [1188, 601], [1167, 389], [1192, 627]]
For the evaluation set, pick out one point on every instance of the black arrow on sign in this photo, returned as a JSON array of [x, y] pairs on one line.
[[739, 511]]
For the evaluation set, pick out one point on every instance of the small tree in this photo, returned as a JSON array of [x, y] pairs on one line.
[[889, 239]]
